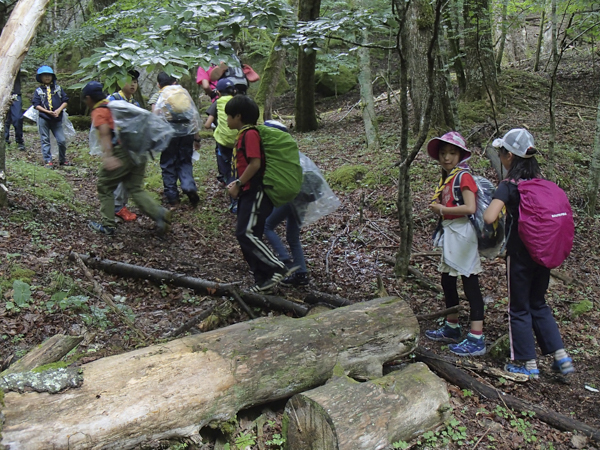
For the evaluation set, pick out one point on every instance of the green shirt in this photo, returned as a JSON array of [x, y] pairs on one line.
[[224, 135]]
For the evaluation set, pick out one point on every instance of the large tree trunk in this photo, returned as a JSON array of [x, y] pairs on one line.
[[482, 82], [453, 19], [365, 82], [16, 37], [270, 79], [594, 181], [503, 31], [174, 389], [347, 415], [420, 21], [306, 114]]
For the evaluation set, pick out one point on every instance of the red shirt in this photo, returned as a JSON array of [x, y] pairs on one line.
[[466, 182], [251, 145], [101, 116]]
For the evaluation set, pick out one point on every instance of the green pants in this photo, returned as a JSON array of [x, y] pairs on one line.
[[132, 177]]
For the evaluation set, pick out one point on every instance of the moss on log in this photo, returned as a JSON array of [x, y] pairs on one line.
[[174, 389]]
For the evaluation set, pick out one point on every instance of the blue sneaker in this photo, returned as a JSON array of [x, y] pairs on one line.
[[563, 366], [471, 346], [445, 334], [533, 374], [99, 228]]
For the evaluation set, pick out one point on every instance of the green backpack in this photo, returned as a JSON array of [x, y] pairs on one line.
[[282, 177]]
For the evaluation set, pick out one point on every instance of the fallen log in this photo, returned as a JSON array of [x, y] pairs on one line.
[[172, 390], [51, 351], [198, 285], [315, 297], [461, 379], [347, 415]]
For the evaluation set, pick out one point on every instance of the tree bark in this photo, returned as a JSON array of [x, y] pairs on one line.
[[462, 380], [540, 40], [173, 389], [49, 352], [347, 415], [504, 27], [365, 82], [480, 65], [270, 79], [306, 114], [594, 180], [453, 21], [16, 37]]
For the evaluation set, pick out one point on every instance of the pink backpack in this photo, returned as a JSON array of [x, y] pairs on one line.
[[545, 222]]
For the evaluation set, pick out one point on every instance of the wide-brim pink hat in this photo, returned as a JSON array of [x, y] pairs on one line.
[[452, 137]]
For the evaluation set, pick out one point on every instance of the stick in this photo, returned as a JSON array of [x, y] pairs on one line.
[[442, 313], [236, 295], [565, 278], [579, 106], [464, 381], [108, 299], [190, 323]]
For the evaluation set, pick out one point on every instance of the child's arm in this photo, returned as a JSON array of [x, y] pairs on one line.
[[252, 169], [209, 122], [111, 162], [468, 208], [493, 211]]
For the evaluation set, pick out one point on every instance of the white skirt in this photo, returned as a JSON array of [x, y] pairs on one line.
[[459, 248]]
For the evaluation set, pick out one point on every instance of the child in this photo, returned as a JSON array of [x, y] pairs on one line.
[[126, 93], [527, 280], [176, 160], [50, 100], [14, 115], [292, 235], [225, 136], [118, 167], [254, 206], [459, 244]]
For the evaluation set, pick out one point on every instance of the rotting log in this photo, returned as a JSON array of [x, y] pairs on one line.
[[50, 351], [174, 389], [461, 379], [198, 285], [347, 415]]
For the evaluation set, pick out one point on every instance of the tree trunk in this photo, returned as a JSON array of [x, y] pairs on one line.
[[555, 62], [16, 37], [540, 40], [365, 82], [420, 21], [173, 389], [270, 79], [306, 114], [49, 352], [347, 415], [479, 52], [504, 27], [453, 20], [594, 181]]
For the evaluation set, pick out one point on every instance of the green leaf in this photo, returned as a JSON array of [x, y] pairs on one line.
[[9, 306], [22, 293]]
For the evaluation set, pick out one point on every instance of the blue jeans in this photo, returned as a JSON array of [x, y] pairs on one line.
[[224, 156], [176, 164], [44, 128], [292, 235], [14, 117]]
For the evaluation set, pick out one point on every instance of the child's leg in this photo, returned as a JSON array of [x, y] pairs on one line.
[[450, 295], [522, 344], [184, 165], [44, 130], [121, 197], [473, 293], [133, 183], [168, 160], [59, 135], [293, 239], [275, 218]]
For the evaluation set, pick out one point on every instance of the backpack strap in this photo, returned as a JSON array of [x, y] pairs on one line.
[[243, 150], [456, 191]]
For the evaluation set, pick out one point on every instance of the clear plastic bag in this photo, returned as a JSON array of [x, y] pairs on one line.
[[139, 131], [68, 129], [176, 106], [95, 145], [490, 237], [316, 199]]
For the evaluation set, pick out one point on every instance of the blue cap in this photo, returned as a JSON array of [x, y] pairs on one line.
[[45, 69], [93, 89], [276, 124], [224, 84]]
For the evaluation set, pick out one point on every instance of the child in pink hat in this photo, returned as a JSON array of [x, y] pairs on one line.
[[455, 200]]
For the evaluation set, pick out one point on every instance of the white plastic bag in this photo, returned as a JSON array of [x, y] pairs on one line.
[[95, 145], [316, 199], [176, 106], [68, 129]]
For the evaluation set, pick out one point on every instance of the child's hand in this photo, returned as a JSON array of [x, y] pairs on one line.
[[112, 163], [196, 145], [436, 208], [234, 189]]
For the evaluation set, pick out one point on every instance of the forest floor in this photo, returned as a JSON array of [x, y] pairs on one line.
[[346, 253]]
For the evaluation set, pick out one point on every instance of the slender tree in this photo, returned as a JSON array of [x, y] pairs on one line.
[[365, 81], [270, 79], [594, 180]]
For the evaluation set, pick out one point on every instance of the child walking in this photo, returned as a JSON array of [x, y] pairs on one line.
[[50, 100], [459, 243], [527, 280], [254, 206]]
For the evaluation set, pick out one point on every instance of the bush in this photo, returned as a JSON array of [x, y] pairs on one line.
[[347, 177], [81, 123], [329, 85]]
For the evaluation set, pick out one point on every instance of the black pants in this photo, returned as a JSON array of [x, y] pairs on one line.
[[176, 164], [472, 291], [528, 310], [254, 207]]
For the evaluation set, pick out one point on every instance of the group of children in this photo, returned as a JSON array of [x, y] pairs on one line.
[[529, 314]]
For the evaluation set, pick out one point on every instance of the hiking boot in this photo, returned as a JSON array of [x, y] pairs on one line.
[[471, 346], [163, 223], [99, 228], [21, 147], [533, 374], [49, 165], [194, 198], [445, 334], [296, 279], [563, 366], [126, 215]]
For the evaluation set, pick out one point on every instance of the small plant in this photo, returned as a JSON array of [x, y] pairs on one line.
[[276, 439], [467, 393], [21, 296], [400, 444], [245, 440]]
